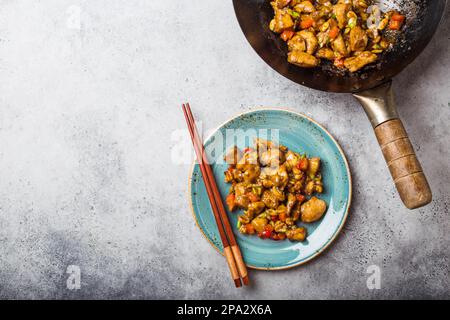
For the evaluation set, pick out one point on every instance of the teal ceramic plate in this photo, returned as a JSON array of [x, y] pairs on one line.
[[300, 134]]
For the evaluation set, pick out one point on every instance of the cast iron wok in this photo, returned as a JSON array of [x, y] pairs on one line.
[[371, 85]]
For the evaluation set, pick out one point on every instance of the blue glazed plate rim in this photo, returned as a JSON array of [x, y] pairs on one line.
[[348, 172]]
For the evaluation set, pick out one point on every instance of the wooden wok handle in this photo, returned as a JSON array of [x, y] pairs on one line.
[[411, 183]]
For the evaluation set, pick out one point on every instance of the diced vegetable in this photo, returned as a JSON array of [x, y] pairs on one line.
[[352, 24], [275, 237], [302, 164], [395, 25], [249, 228], [334, 32], [398, 17], [396, 21], [231, 202], [300, 198], [308, 23], [265, 234], [287, 35], [294, 14]]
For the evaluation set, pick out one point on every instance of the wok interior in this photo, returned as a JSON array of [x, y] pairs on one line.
[[423, 17]]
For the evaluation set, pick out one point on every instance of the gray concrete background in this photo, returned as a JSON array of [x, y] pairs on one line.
[[87, 114]]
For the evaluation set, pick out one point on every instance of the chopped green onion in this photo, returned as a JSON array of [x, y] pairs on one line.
[[352, 23], [257, 190], [293, 13]]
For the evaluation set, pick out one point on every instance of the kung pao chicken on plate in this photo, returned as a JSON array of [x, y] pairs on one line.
[[276, 188]]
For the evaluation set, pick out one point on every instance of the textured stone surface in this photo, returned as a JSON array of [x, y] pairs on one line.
[[87, 119]]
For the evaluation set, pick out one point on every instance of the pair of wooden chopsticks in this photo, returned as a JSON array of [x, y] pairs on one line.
[[230, 247]]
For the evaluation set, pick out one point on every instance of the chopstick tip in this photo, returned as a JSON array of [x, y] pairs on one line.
[[246, 280], [237, 283]]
